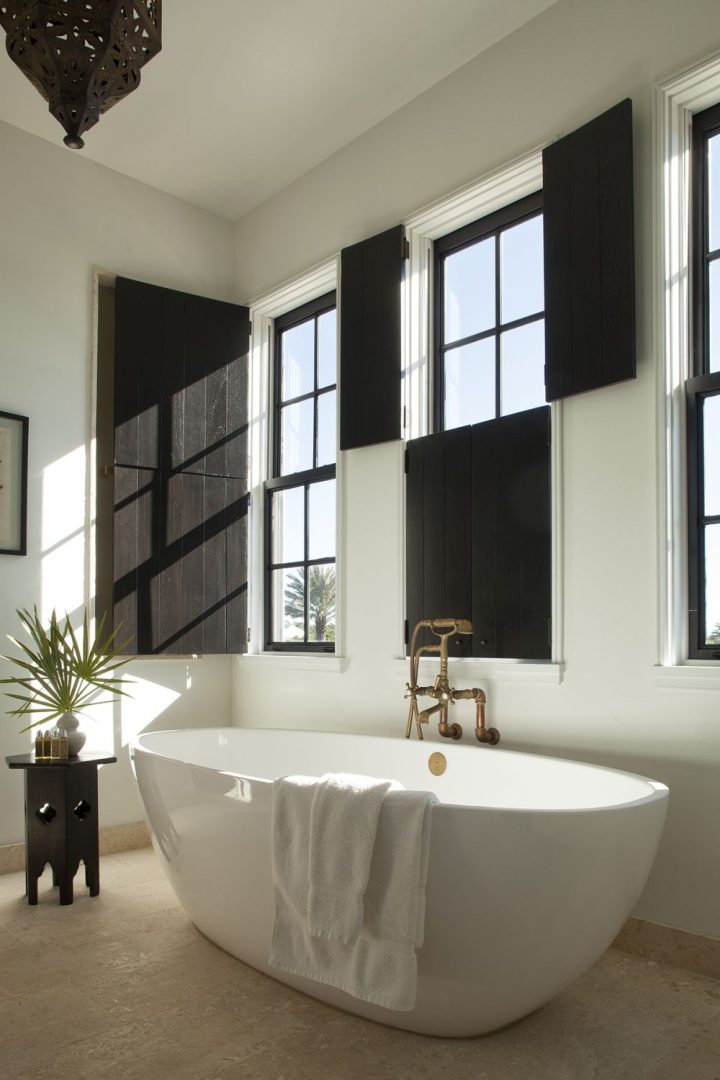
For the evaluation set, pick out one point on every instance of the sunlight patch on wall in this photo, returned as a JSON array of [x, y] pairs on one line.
[[63, 535], [145, 702]]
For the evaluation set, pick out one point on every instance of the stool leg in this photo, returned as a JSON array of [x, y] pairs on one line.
[[92, 878], [66, 887], [31, 888]]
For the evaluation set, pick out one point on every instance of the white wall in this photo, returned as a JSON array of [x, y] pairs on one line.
[[572, 62], [61, 216]]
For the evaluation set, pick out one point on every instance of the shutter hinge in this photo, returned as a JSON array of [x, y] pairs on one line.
[[249, 328], [107, 470], [407, 632], [405, 248], [407, 460], [404, 419], [247, 636]]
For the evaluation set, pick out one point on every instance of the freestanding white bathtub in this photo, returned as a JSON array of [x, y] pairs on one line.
[[535, 862]]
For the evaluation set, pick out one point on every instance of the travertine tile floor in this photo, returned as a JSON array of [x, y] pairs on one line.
[[123, 986]]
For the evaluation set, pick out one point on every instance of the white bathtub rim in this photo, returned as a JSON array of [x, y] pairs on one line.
[[657, 792]]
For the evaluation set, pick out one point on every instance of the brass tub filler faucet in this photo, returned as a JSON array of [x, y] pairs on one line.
[[444, 694]]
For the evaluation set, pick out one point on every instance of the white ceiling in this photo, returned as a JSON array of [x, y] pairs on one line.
[[247, 95]]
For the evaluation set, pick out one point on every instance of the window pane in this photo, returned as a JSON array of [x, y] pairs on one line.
[[522, 368], [470, 383], [288, 603], [296, 437], [321, 603], [288, 525], [711, 454], [714, 317], [714, 192], [712, 584], [321, 515], [522, 289], [470, 290], [298, 360], [326, 439], [327, 349]]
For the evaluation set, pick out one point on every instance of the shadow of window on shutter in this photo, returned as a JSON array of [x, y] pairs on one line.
[[589, 256], [370, 335], [180, 471]]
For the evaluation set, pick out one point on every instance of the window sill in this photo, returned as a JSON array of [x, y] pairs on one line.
[[537, 672], [318, 662], [694, 675]]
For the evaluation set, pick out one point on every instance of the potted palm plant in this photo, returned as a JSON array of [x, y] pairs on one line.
[[61, 672]]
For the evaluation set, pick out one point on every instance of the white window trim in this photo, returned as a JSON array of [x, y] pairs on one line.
[[500, 188], [308, 286], [676, 99]]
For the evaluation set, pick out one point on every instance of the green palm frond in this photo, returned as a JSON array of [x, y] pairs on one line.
[[61, 670]]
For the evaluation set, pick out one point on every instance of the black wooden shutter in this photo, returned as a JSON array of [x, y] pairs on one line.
[[589, 256], [478, 533], [370, 327], [180, 471], [511, 536], [438, 524]]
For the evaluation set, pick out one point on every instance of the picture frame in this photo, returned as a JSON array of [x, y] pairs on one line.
[[13, 483]]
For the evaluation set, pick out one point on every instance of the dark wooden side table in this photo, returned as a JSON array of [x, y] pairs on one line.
[[61, 820]]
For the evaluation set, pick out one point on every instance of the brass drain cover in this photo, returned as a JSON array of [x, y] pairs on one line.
[[437, 764]]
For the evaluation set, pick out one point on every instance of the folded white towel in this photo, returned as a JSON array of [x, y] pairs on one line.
[[343, 823], [380, 966]]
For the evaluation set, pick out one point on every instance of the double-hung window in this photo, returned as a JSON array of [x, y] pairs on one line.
[[300, 507], [489, 318], [703, 395], [478, 507]]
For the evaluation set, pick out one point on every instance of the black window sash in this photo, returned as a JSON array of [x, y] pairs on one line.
[[698, 390], [493, 224], [701, 385], [312, 310]]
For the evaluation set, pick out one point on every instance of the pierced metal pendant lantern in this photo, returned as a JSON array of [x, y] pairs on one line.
[[83, 56]]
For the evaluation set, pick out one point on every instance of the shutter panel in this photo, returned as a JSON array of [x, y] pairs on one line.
[[180, 381], [180, 556], [511, 545], [478, 534], [370, 325], [589, 256], [180, 475], [439, 530]]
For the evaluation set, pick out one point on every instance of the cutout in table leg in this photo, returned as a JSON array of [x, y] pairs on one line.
[[46, 813], [82, 810]]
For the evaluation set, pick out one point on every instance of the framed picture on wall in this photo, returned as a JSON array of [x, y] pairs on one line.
[[13, 483]]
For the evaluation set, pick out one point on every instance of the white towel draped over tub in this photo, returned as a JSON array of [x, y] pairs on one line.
[[350, 857]]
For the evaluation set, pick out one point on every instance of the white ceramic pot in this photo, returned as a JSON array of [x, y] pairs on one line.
[[69, 724]]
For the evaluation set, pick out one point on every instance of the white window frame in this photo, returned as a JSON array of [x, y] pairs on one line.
[[677, 98], [308, 286], [498, 189]]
